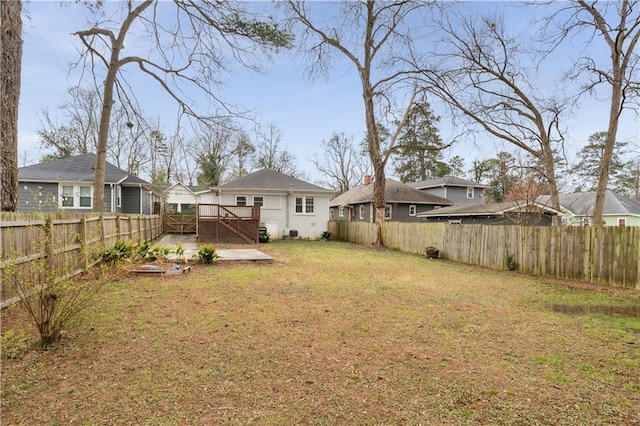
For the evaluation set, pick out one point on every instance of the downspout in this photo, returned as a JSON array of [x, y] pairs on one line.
[[111, 208]]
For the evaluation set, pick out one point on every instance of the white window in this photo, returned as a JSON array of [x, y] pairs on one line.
[[470, 192], [341, 211], [258, 200], [622, 221], [67, 196], [387, 212], [361, 212], [76, 196], [85, 196], [304, 205], [241, 200], [412, 210], [119, 196]]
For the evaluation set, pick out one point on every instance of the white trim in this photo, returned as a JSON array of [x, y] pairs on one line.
[[414, 208]]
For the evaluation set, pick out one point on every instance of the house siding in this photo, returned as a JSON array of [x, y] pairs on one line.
[[130, 200], [507, 219], [278, 212], [37, 197], [457, 194]]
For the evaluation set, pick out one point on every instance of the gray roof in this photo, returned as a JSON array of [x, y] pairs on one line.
[[394, 192], [582, 203], [78, 168], [489, 209], [445, 181], [272, 180]]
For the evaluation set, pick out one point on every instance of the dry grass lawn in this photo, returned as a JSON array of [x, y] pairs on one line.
[[333, 333]]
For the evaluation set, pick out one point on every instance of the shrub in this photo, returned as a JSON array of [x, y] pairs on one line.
[[118, 252], [326, 236], [207, 254], [511, 263], [264, 236], [180, 251], [157, 252]]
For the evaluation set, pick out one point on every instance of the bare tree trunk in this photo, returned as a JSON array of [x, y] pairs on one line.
[[117, 44], [605, 165], [10, 70]]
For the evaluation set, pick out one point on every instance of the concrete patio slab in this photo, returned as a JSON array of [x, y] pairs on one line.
[[190, 245]]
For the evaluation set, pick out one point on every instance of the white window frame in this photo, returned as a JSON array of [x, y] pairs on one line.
[[305, 203], [75, 196], [361, 212], [413, 210], [118, 196], [340, 211], [388, 212], [244, 197], [470, 192], [256, 197]]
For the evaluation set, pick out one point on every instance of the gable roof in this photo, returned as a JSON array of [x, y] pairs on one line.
[[489, 209], [394, 192], [583, 203], [268, 179], [445, 181], [78, 168]]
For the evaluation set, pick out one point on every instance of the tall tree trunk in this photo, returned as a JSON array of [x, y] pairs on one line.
[[605, 165], [10, 70]]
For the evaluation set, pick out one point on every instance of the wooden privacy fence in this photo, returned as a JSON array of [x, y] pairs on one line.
[[600, 255], [62, 245]]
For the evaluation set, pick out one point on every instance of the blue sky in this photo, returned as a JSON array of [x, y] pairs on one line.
[[306, 112]]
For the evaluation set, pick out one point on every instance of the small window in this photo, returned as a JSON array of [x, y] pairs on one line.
[[341, 211], [470, 192], [412, 210], [67, 196], [387, 212], [258, 200], [119, 196], [178, 192], [361, 212], [304, 205], [85, 196], [622, 221], [241, 200]]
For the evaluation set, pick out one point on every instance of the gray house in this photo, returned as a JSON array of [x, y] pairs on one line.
[[403, 203], [458, 190], [67, 185], [507, 213]]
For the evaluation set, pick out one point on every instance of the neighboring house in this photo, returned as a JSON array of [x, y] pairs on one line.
[[578, 209], [181, 198], [288, 205], [67, 185], [402, 203], [507, 213], [458, 190]]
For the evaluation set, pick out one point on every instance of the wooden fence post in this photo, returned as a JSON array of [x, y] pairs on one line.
[[48, 245], [83, 243]]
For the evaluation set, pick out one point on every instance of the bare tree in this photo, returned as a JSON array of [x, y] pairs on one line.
[[213, 148], [11, 66], [271, 155], [618, 25], [188, 53], [369, 35], [243, 152], [484, 73], [341, 163]]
